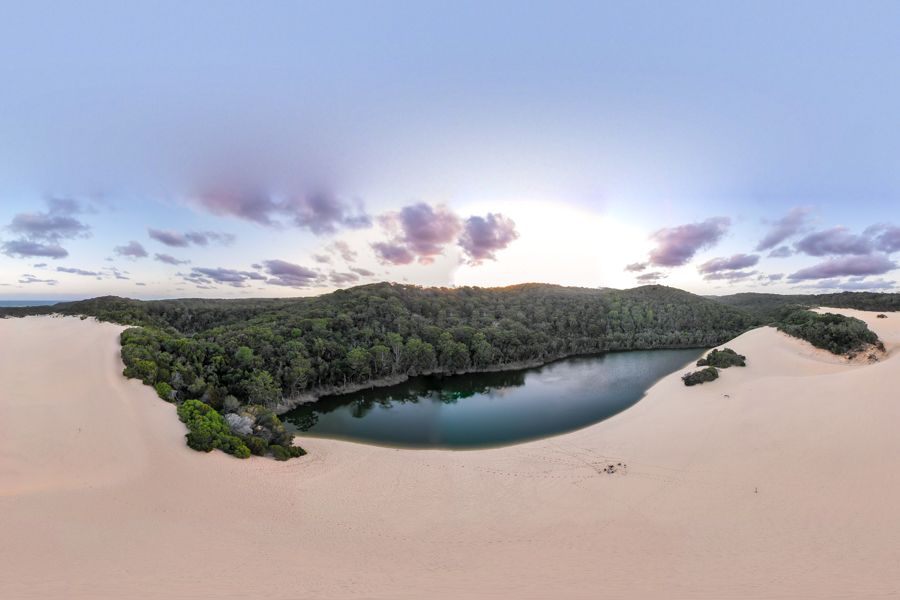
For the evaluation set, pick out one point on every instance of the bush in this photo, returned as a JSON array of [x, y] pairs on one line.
[[701, 376], [723, 359], [836, 333], [208, 430], [257, 445], [164, 391], [286, 452]]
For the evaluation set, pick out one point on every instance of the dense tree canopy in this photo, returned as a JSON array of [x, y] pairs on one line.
[[233, 355]]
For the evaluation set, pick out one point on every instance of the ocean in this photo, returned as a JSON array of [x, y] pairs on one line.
[[19, 303]]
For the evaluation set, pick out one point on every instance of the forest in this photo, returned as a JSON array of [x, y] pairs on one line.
[[250, 359]]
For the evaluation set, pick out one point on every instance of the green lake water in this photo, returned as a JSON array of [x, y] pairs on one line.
[[489, 409]]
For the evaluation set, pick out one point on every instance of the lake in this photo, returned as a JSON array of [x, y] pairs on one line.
[[489, 409]]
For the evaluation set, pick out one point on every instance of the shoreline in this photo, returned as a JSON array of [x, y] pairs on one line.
[[786, 487]]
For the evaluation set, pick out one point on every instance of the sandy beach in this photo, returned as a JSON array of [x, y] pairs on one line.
[[779, 480]]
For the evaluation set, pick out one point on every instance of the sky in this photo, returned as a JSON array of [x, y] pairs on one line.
[[231, 149]]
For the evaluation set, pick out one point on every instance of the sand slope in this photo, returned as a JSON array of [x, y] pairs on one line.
[[788, 488]]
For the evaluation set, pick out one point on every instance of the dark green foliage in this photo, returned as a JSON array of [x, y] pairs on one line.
[[257, 445], [259, 351], [764, 306], [207, 430], [286, 452], [701, 376], [836, 333], [723, 359], [165, 391]]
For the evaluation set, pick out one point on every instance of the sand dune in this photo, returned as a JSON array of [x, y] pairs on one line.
[[787, 488]]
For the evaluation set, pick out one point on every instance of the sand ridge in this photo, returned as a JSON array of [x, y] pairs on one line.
[[786, 488]]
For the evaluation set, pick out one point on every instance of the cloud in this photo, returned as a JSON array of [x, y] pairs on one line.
[[32, 279], [40, 233], [116, 273], [678, 245], [732, 263], [132, 250], [232, 277], [651, 277], [730, 276], [636, 267], [30, 249], [75, 271], [482, 237], [855, 284], [875, 264], [319, 213], [395, 254], [886, 237], [57, 223], [322, 258], [169, 259], [177, 239], [418, 232], [323, 213], [289, 274], [835, 241], [781, 252], [784, 228], [363, 272], [342, 249], [343, 278]]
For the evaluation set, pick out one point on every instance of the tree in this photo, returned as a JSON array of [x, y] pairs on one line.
[[262, 389], [359, 360]]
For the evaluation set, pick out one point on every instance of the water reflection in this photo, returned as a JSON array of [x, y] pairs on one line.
[[491, 408]]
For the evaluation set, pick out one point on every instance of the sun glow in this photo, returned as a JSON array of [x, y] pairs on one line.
[[560, 244]]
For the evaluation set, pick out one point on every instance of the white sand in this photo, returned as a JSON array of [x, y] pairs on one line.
[[100, 498]]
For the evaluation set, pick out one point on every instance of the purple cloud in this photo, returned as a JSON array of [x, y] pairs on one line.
[[875, 264], [169, 259], [342, 249], [132, 250], [40, 232], [856, 284], [75, 271], [835, 241], [32, 279], [247, 204], [177, 239], [340, 279], [29, 249], [395, 254], [730, 276], [289, 274], [322, 213], [675, 246], [651, 277], [784, 228], [418, 231], [636, 267], [482, 237], [363, 272], [887, 237], [319, 213], [781, 252], [207, 276], [732, 263]]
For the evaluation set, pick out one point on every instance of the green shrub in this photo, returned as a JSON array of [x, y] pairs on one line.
[[164, 391], [280, 452], [208, 430], [701, 376], [836, 333], [257, 445], [723, 359]]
